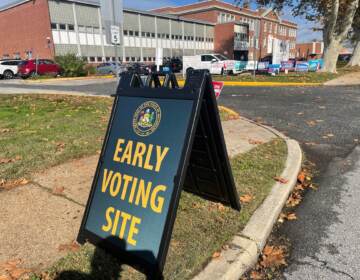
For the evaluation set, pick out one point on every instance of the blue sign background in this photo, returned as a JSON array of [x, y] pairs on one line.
[[174, 114]]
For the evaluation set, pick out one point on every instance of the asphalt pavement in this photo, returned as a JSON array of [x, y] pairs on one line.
[[326, 121]]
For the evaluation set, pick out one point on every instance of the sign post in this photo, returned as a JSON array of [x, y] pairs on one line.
[[159, 140]]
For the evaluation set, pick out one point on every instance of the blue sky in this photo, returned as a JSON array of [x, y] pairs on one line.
[[304, 32]]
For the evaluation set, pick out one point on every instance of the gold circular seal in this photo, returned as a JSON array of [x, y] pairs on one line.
[[146, 118]]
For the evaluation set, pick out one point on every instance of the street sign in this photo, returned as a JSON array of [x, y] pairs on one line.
[[158, 140], [115, 34], [218, 86], [112, 15]]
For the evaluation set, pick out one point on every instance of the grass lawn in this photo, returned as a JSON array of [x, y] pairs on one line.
[[41, 131]]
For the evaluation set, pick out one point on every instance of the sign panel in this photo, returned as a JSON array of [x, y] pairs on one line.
[[302, 67], [143, 165], [218, 86], [111, 15], [115, 34]]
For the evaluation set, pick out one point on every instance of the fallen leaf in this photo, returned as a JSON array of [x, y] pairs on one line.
[[216, 255], [301, 177], [255, 142], [246, 198], [4, 277], [72, 247], [255, 275], [272, 257], [281, 180], [220, 207], [294, 200], [11, 264], [330, 135], [312, 186], [18, 272], [58, 190], [299, 187], [291, 216], [311, 123], [7, 185], [5, 130], [300, 113]]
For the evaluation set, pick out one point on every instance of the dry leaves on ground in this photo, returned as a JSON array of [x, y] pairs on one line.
[[289, 217], [246, 198], [10, 160], [12, 270], [255, 142], [281, 180], [216, 255], [255, 275], [273, 257], [311, 123], [10, 184], [72, 247], [4, 130], [58, 190]]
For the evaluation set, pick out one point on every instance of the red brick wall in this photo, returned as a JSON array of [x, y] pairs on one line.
[[25, 28], [304, 50], [224, 39], [209, 16]]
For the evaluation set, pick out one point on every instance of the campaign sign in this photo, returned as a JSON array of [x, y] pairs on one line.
[[142, 167], [218, 86], [314, 65], [302, 67], [274, 69], [263, 66], [287, 65]]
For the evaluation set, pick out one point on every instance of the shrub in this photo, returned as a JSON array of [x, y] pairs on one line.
[[72, 66], [90, 69]]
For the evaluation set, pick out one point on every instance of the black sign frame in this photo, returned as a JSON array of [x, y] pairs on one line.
[[198, 87]]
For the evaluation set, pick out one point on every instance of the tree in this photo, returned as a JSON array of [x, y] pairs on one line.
[[335, 16], [355, 38]]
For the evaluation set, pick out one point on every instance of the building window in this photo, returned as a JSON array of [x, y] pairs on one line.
[[125, 32], [145, 58], [71, 27], [17, 55], [149, 58], [131, 33], [152, 35], [96, 30], [92, 59], [133, 58], [53, 26], [167, 36], [143, 34], [137, 33], [99, 59], [62, 26]]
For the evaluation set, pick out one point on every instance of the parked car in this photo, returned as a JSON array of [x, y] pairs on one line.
[[33, 67], [139, 68], [110, 68], [174, 65], [9, 68], [215, 63]]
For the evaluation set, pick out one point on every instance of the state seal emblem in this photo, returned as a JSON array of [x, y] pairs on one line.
[[146, 118]]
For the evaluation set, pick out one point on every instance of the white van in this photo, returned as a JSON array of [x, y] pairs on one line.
[[215, 63]]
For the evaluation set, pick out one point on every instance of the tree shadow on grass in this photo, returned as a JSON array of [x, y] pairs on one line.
[[104, 266]]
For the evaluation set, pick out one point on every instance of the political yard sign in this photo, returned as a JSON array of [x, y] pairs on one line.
[[146, 160]]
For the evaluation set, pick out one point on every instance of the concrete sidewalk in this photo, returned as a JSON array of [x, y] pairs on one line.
[[350, 79], [43, 217]]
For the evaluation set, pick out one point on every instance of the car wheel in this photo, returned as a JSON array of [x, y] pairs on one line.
[[8, 74], [189, 69], [33, 74]]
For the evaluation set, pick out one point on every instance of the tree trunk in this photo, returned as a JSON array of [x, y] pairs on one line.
[[331, 54], [355, 59]]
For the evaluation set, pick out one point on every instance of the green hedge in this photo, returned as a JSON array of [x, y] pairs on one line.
[[72, 66]]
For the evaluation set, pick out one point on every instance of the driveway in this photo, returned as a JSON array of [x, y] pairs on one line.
[[326, 121]]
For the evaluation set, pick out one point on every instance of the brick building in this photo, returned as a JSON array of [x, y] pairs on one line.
[[312, 50], [265, 26], [45, 28]]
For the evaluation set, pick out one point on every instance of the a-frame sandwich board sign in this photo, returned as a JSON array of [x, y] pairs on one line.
[[158, 140]]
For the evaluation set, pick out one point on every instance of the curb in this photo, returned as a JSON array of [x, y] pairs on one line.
[[262, 84], [67, 79], [246, 247]]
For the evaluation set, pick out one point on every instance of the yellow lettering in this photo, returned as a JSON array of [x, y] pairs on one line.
[[143, 194], [147, 164], [106, 179], [118, 149], [133, 188], [126, 217], [138, 155], [133, 230], [127, 180], [108, 219], [160, 155], [157, 202], [114, 191], [127, 153], [116, 221]]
